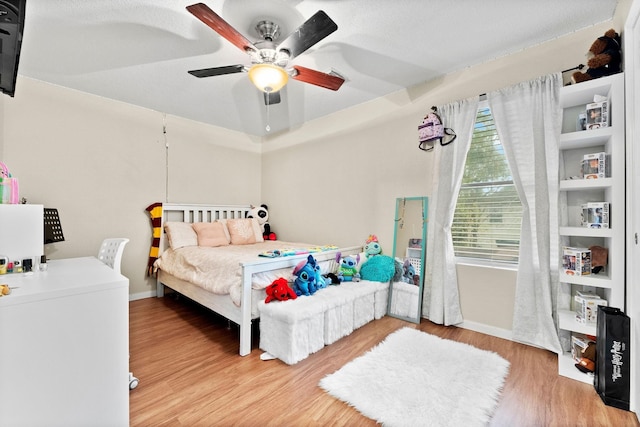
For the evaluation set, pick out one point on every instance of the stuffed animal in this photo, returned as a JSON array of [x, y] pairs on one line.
[[604, 58], [380, 268], [372, 246], [305, 282], [321, 281], [587, 361], [279, 290], [408, 272], [599, 258], [261, 213], [348, 270], [331, 279], [399, 270]]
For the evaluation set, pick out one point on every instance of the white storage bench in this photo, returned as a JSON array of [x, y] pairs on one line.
[[292, 330], [404, 299]]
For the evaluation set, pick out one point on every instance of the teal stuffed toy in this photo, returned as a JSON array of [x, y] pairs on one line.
[[380, 268], [372, 246]]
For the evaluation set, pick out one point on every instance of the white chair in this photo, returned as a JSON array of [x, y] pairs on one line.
[[111, 252]]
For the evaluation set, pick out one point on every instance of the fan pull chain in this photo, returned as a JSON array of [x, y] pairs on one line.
[[268, 128], [166, 158]]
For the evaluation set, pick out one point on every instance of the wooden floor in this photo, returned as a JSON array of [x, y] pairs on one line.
[[191, 375]]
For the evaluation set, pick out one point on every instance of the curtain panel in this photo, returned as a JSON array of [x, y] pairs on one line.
[[528, 119], [441, 301]]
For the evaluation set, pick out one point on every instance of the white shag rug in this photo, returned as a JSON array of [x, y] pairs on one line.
[[416, 379]]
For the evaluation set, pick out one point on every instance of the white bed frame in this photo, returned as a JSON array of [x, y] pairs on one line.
[[222, 304]]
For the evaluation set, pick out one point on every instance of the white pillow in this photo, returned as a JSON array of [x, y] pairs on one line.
[[180, 234]]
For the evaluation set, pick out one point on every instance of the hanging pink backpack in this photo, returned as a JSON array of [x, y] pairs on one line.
[[431, 130]]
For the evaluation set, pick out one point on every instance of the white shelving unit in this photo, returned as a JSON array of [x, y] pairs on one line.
[[609, 283]]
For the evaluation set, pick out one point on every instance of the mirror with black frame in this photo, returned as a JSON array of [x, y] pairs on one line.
[[409, 250]]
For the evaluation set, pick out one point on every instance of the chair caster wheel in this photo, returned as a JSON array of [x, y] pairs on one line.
[[133, 382]]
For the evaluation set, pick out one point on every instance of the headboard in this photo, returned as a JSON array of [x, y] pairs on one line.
[[197, 213]]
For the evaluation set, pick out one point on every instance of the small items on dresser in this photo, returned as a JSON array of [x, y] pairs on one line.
[[4, 290]]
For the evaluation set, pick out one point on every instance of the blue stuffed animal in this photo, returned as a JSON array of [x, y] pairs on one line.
[[321, 281], [348, 271], [305, 281], [409, 272]]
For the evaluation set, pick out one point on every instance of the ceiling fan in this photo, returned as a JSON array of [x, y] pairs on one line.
[[269, 60]]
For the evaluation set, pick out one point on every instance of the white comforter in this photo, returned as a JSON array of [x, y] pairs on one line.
[[218, 269]]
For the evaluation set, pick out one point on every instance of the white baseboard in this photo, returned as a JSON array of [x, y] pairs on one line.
[[142, 295], [487, 329]]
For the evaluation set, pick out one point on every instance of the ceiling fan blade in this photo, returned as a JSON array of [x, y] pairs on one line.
[[271, 98], [317, 78], [311, 32], [218, 71], [219, 25]]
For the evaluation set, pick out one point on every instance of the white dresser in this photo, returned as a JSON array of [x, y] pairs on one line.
[[64, 346]]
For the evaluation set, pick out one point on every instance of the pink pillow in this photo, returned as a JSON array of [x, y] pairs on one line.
[[211, 234], [244, 231]]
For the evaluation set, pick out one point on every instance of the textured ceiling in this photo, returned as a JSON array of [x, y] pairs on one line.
[[139, 51]]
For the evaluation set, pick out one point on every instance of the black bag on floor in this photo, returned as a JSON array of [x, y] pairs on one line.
[[613, 357]]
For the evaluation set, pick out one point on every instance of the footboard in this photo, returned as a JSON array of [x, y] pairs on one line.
[[250, 268]]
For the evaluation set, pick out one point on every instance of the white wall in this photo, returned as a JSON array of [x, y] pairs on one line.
[[101, 163], [345, 171]]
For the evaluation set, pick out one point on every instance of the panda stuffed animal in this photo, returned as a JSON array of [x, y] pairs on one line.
[[261, 213]]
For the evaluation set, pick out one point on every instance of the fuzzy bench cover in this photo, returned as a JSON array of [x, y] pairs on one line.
[[404, 299], [292, 330]]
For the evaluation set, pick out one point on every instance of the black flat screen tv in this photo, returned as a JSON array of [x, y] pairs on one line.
[[11, 29]]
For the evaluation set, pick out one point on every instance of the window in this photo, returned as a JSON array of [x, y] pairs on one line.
[[486, 223]]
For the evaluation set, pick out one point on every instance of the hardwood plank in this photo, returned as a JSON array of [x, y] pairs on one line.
[[186, 358]]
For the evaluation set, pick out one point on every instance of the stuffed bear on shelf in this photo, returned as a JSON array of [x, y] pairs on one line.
[[604, 58]]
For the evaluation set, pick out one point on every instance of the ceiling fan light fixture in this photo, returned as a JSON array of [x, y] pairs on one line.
[[268, 77]]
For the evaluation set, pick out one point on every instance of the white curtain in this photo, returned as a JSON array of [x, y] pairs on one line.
[[441, 302], [528, 119]]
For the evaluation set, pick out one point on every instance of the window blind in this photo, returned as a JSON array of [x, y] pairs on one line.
[[486, 223]]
